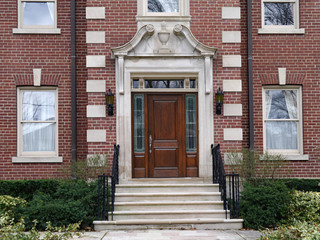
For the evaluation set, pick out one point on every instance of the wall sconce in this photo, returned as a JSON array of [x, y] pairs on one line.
[[109, 102], [219, 101]]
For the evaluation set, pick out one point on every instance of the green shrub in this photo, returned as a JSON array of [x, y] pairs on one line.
[[305, 207], [26, 188], [7, 206], [60, 201], [299, 230], [312, 185], [265, 205]]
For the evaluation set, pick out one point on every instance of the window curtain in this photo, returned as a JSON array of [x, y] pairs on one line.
[[38, 107], [163, 5], [281, 134], [51, 10]]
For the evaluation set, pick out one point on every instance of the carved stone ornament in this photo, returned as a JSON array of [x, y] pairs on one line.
[[164, 36]]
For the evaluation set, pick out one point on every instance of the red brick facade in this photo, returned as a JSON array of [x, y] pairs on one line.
[[20, 53]]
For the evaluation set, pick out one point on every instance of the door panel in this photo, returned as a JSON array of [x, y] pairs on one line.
[[166, 128]]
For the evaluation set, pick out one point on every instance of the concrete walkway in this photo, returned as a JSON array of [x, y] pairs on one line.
[[172, 235]]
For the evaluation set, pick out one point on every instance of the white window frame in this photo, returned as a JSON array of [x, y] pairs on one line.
[[282, 29], [45, 156], [36, 29], [184, 12], [285, 152]]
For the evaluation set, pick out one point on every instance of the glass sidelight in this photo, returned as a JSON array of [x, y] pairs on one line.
[[138, 123], [191, 123]]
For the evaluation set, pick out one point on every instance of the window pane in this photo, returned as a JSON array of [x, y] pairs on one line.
[[281, 135], [138, 122], [38, 13], [135, 83], [281, 104], [38, 106], [192, 83], [164, 83], [163, 5], [38, 137], [278, 14], [191, 123]]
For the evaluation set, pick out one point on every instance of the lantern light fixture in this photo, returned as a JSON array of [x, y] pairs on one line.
[[109, 102], [219, 101]]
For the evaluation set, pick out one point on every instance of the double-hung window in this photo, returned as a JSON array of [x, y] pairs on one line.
[[280, 16], [159, 10], [37, 16], [37, 123], [282, 120]]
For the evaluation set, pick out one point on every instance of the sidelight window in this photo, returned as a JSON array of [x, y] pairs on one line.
[[138, 112]]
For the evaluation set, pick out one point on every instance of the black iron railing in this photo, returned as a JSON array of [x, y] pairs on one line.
[[230, 198], [107, 188]]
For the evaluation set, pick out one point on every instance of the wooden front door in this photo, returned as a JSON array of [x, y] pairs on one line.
[[166, 134]]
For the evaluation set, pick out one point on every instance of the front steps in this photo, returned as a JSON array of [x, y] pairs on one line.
[[168, 204]]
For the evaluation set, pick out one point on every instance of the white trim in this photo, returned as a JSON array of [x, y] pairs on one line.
[[36, 29], [232, 85], [281, 29], [20, 152], [37, 160], [289, 153]]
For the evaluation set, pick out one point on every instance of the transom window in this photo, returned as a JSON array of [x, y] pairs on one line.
[[37, 122], [282, 120], [280, 16], [186, 84]]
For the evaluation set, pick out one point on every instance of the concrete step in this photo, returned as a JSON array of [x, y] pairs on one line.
[[188, 223], [126, 215], [147, 197], [166, 181], [147, 188], [168, 205]]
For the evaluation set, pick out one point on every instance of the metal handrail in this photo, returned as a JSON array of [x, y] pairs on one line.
[[107, 188], [219, 176]]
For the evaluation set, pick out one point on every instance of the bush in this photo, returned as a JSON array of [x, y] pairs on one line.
[[305, 207], [60, 201], [265, 205], [299, 230]]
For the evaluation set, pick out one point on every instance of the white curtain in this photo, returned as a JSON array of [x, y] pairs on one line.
[[291, 101], [51, 10], [37, 108], [281, 134], [163, 5]]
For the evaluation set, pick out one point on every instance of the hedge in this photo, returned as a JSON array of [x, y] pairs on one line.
[[61, 202]]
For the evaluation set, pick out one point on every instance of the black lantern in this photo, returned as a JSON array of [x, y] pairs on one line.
[[219, 101], [109, 102]]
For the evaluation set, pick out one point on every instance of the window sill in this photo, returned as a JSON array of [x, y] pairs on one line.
[[37, 160], [281, 31], [36, 31], [297, 157], [163, 18]]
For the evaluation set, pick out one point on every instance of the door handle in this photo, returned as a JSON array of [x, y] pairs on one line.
[[150, 143]]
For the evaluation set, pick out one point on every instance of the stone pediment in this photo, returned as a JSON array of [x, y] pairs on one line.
[[169, 41]]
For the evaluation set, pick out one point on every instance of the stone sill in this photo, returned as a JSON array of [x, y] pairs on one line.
[[163, 18], [36, 31], [281, 31], [37, 160]]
